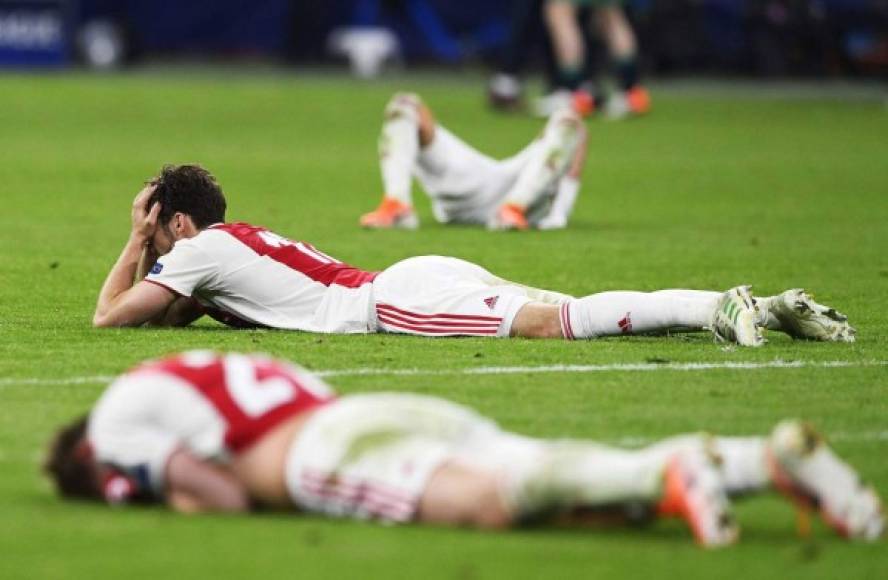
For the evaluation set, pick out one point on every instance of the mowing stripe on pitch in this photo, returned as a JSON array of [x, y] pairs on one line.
[[514, 370]]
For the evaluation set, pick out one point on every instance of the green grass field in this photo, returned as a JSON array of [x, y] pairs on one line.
[[712, 190]]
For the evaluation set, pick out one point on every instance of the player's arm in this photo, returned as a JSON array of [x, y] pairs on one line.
[[195, 486], [121, 303], [182, 311]]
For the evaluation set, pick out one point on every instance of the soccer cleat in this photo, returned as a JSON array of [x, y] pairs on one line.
[[391, 213], [632, 103], [800, 317], [804, 468], [579, 101], [508, 217], [693, 490], [505, 92], [735, 318]]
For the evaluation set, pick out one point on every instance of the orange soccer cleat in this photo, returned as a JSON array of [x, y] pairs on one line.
[[391, 213], [693, 491], [508, 217], [639, 100]]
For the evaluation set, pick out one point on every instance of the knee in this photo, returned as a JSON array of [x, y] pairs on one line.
[[567, 127], [459, 495], [537, 320], [410, 106], [489, 510]]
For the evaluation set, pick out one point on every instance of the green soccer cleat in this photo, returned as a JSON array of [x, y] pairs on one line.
[[804, 468], [796, 314], [735, 318]]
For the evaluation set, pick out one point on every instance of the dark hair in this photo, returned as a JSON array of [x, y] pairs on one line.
[[189, 189], [70, 463]]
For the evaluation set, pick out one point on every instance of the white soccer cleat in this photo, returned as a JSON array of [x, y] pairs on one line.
[[809, 472], [693, 490], [735, 318], [800, 317]]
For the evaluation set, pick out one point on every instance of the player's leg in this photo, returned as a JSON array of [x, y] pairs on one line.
[[796, 461], [567, 190], [560, 148], [569, 50], [550, 477], [632, 98], [407, 127], [730, 314]]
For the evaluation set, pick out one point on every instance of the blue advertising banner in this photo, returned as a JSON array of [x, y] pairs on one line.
[[33, 33]]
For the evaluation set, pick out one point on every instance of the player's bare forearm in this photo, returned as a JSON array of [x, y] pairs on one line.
[[119, 280], [121, 303], [195, 486], [146, 262], [182, 312]]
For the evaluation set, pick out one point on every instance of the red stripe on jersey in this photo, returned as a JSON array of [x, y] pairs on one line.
[[390, 308], [432, 329], [252, 394], [299, 256]]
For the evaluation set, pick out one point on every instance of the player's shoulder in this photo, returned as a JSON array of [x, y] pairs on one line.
[[216, 235]]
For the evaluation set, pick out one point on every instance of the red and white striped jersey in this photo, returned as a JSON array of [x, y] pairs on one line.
[[213, 405], [257, 277]]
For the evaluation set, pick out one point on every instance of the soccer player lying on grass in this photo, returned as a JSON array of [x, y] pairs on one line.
[[208, 432], [247, 275], [535, 187]]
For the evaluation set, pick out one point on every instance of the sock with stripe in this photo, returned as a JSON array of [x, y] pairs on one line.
[[623, 312]]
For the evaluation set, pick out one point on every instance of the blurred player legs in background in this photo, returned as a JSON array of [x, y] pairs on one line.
[[607, 16], [537, 187], [207, 432]]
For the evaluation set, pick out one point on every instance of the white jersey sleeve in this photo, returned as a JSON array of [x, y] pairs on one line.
[[184, 269], [123, 435]]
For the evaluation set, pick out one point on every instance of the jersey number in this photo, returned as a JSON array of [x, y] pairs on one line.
[[276, 241], [255, 397]]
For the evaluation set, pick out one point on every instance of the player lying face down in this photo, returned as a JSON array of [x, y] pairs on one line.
[[182, 261], [207, 432]]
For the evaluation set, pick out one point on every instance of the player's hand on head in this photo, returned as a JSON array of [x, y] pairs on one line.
[[145, 219]]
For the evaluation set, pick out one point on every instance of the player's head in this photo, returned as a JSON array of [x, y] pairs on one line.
[[70, 463], [185, 190]]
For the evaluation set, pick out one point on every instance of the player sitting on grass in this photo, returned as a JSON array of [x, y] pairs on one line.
[[536, 187], [246, 275], [206, 432]]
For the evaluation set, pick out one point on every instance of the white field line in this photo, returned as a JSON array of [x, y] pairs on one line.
[[832, 436], [616, 367], [513, 370]]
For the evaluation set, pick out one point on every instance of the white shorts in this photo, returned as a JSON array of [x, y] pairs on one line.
[[372, 455], [442, 296], [465, 185]]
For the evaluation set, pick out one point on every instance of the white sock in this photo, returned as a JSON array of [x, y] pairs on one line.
[[562, 205], [743, 466], [550, 161], [398, 150], [744, 463], [568, 189], [623, 312], [574, 474]]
